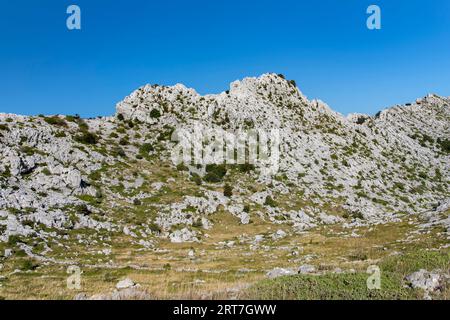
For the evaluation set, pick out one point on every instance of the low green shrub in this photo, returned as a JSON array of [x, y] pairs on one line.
[[86, 138], [56, 121], [270, 202], [155, 113], [215, 173], [228, 191]]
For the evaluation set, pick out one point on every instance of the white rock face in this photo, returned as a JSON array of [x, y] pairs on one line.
[[375, 167], [183, 235], [429, 282], [367, 148]]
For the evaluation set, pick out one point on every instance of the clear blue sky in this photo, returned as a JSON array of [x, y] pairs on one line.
[[324, 45]]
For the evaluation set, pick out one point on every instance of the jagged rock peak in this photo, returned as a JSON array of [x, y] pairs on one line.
[[267, 85]]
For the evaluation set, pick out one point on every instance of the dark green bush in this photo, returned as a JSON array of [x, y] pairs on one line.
[[146, 148], [215, 173], [154, 227], [228, 191], [86, 138], [13, 240], [270, 202], [95, 176], [445, 145], [60, 134], [166, 135], [123, 141], [423, 175], [82, 125], [83, 209], [28, 264], [6, 173], [29, 151], [117, 151], [246, 167], [155, 113], [74, 118], [56, 121], [196, 178], [182, 167]]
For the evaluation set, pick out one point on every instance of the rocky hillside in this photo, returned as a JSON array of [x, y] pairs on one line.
[[369, 168], [63, 177]]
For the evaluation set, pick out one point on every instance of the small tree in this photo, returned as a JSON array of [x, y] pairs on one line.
[[86, 138], [228, 191], [155, 113], [445, 145]]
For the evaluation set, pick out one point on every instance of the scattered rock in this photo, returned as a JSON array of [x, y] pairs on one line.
[[123, 294], [429, 282], [306, 268], [280, 234], [124, 284], [183, 235], [8, 253], [279, 272]]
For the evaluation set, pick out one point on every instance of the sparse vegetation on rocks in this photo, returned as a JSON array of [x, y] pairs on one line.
[[103, 193]]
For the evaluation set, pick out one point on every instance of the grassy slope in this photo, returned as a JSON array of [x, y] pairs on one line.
[[353, 285], [214, 270]]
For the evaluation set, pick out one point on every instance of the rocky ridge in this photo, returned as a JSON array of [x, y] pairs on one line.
[[62, 174]]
